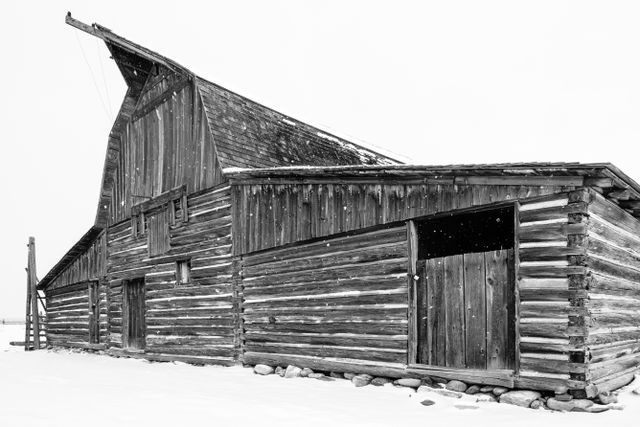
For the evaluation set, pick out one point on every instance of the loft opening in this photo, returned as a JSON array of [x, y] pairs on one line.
[[481, 231]]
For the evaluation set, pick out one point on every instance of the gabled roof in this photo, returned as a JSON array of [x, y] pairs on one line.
[[245, 133]]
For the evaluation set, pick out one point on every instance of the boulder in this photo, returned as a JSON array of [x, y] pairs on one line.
[[536, 404], [500, 390], [280, 371], [292, 372], [519, 397], [306, 372], [380, 381], [333, 374], [428, 402], [349, 375], [561, 390], [325, 378], [485, 397], [486, 389], [408, 382], [263, 369], [572, 405], [636, 391], [361, 380], [315, 375], [563, 397], [455, 385], [474, 389], [607, 398]]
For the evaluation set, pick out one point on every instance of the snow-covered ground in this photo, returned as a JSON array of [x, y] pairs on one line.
[[79, 389]]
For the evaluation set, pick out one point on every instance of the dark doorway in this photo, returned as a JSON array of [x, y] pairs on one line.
[[133, 315], [465, 291], [94, 313]]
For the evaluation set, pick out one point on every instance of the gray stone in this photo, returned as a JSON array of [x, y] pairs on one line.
[[408, 382], [306, 372], [636, 391], [572, 405], [486, 389], [263, 369], [428, 402], [485, 397], [349, 375], [455, 385], [474, 389], [500, 390], [325, 378], [280, 371], [315, 376], [536, 404], [292, 372], [519, 397], [380, 381], [361, 380], [561, 390], [333, 374], [563, 397], [607, 398]]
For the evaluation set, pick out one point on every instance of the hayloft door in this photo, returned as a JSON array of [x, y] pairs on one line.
[[133, 322], [465, 308]]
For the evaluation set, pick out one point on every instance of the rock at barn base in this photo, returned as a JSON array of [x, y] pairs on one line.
[[474, 389], [519, 397], [361, 380], [408, 382], [263, 369], [306, 372], [572, 405], [380, 381], [292, 372], [455, 385]]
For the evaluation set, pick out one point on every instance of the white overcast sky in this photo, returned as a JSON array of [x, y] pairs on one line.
[[437, 81]]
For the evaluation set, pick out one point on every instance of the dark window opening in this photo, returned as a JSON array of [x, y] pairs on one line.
[[183, 272], [466, 233]]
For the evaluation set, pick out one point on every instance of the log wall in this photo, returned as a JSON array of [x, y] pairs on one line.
[[271, 215], [613, 250], [343, 298], [550, 312], [165, 143], [67, 298], [191, 321]]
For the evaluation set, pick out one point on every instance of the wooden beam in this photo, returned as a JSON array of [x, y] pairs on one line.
[[35, 317], [109, 37]]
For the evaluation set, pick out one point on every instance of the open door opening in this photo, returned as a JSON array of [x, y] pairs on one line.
[[465, 308], [133, 319]]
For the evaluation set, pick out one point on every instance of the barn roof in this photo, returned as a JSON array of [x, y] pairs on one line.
[[245, 133], [76, 250]]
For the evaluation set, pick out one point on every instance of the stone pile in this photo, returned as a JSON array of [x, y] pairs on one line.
[[560, 400]]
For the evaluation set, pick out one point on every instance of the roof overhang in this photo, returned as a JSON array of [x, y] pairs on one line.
[[72, 254]]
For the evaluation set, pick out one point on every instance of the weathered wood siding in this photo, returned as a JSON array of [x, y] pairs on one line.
[[165, 143], [271, 215], [192, 321], [551, 316], [613, 250], [68, 312], [69, 316], [340, 298]]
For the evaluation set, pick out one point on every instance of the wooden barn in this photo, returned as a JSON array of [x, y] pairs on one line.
[[228, 233]]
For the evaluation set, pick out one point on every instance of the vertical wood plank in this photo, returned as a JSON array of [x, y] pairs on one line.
[[497, 283], [476, 320], [454, 302], [437, 312], [414, 280]]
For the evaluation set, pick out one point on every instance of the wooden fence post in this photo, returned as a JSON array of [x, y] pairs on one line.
[[35, 317]]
